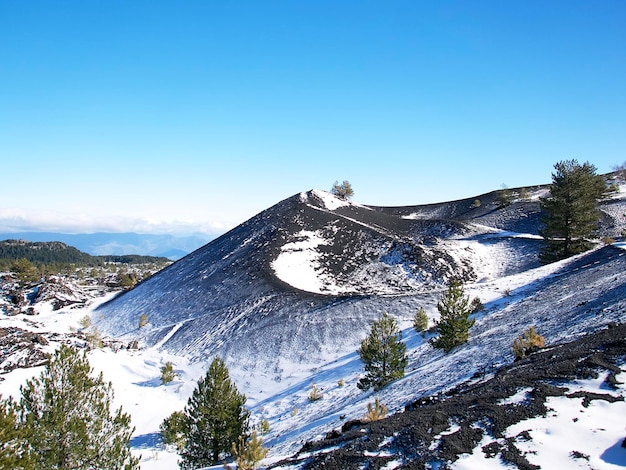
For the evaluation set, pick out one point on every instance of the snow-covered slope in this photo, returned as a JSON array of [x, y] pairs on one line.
[[286, 298], [303, 280]]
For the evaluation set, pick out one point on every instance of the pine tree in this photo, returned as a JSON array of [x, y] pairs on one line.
[[569, 214], [343, 190], [383, 353], [25, 271], [454, 322], [13, 444], [167, 373], [216, 417], [248, 453], [174, 429], [420, 320], [67, 418]]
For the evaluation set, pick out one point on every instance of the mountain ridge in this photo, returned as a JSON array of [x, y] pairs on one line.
[[313, 257]]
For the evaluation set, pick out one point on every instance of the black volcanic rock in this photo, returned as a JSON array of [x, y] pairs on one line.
[[417, 437]]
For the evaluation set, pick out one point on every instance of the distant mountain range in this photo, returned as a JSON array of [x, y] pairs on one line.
[[104, 243]]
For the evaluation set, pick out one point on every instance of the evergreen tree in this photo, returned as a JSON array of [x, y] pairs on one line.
[[13, 445], [569, 214], [167, 373], [67, 418], [343, 190], [25, 271], [248, 453], [383, 353], [420, 320], [216, 417], [174, 429], [454, 321]]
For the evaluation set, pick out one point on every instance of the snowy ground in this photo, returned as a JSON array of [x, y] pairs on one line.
[[572, 435], [596, 433], [516, 291]]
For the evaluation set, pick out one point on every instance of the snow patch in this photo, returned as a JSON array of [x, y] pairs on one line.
[[298, 264]]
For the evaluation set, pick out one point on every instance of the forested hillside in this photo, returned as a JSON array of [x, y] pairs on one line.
[[58, 253]]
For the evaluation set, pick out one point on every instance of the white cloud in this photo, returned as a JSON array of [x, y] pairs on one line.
[[29, 220]]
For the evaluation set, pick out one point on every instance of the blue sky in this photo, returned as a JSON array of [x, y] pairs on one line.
[[192, 116]]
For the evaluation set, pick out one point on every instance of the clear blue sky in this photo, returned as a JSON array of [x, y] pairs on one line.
[[195, 115]]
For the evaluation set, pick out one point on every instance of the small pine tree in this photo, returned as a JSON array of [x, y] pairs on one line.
[[216, 417], [383, 353], [174, 429], [528, 342], [67, 418], [167, 373], [264, 426], [454, 322], [248, 454], [343, 190], [376, 411], [420, 320], [25, 271], [476, 305]]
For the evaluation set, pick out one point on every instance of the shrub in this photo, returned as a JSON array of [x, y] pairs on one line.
[[341, 382], [94, 338], [167, 373], [315, 394], [85, 322], [248, 453], [420, 320], [143, 320], [264, 426], [477, 305], [524, 194], [504, 198], [375, 411], [528, 342]]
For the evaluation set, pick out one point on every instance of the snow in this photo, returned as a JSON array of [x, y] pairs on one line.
[[135, 377], [298, 265], [595, 431], [330, 202], [571, 435]]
